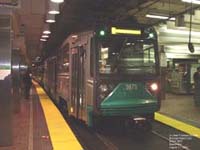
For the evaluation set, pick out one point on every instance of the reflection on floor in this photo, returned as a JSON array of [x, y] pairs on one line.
[[181, 107]]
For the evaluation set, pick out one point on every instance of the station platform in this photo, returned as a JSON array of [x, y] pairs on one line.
[[40, 126], [180, 112], [181, 107]]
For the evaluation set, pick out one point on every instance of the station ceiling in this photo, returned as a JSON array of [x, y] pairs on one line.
[[77, 15]]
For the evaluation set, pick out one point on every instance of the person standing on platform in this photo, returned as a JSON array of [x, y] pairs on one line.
[[196, 78], [27, 84]]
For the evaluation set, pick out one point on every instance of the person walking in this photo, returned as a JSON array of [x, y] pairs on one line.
[[196, 78], [27, 84]]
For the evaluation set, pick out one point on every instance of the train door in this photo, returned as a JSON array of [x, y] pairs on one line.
[[74, 81], [78, 84], [81, 78]]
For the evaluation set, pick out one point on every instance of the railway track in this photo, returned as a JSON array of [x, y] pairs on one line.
[[91, 139], [115, 140]]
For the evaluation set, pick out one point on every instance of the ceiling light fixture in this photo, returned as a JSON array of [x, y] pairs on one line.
[[50, 21], [192, 1], [46, 29], [53, 8], [50, 18], [57, 1], [156, 16], [46, 32]]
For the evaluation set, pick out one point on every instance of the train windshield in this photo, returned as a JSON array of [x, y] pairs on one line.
[[127, 56]]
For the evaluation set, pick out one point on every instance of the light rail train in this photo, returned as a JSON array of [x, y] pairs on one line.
[[109, 73]]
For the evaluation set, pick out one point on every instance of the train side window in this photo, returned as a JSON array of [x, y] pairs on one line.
[[63, 59], [92, 50]]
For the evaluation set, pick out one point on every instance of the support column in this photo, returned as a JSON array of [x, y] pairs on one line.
[[16, 80]]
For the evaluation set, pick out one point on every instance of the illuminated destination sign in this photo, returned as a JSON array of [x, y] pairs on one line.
[[115, 30], [12, 3]]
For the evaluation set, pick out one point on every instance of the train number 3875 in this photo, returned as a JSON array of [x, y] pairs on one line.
[[130, 87]]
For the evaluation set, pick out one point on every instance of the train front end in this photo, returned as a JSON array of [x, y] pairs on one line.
[[128, 74]]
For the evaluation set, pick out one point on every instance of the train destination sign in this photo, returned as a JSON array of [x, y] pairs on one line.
[[115, 30]]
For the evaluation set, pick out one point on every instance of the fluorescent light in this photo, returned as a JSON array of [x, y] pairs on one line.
[[57, 1], [47, 32], [193, 1], [157, 16]]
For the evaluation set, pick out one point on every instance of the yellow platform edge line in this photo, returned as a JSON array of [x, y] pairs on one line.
[[189, 129], [61, 135]]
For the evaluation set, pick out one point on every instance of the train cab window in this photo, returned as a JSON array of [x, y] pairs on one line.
[[127, 56], [63, 60]]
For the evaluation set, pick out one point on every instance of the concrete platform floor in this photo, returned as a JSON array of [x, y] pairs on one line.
[[181, 107], [29, 126]]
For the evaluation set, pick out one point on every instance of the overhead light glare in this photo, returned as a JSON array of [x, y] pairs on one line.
[[57, 1], [47, 32], [193, 1], [156, 16]]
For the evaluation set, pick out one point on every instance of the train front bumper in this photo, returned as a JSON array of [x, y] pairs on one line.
[[129, 110]]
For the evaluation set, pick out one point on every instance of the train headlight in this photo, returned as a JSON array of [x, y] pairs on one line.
[[154, 86]]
